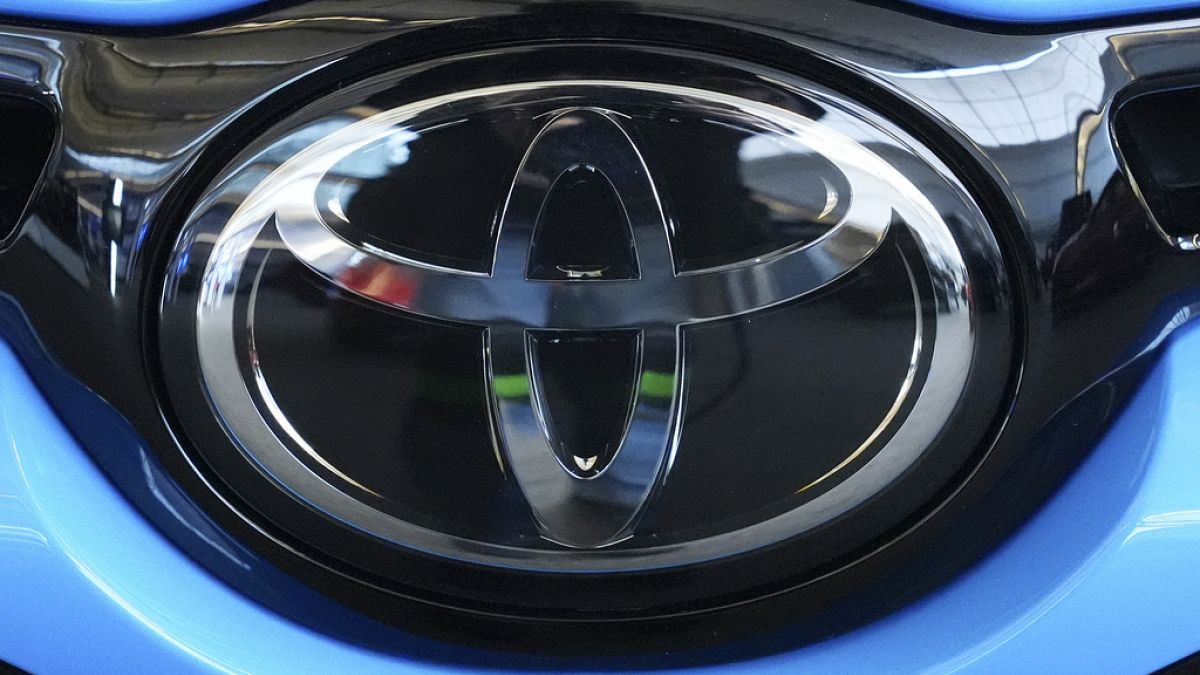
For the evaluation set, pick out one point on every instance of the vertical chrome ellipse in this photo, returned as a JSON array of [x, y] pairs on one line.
[[574, 508]]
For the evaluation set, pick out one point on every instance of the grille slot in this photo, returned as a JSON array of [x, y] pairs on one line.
[[1159, 140], [24, 151]]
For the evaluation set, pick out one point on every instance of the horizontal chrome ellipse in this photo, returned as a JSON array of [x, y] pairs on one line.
[[660, 297]]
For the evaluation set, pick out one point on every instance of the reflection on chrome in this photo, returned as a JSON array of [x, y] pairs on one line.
[[595, 503]]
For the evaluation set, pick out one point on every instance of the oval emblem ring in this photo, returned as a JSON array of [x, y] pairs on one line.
[[597, 323]]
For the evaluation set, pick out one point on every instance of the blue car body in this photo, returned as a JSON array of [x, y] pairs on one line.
[[160, 12], [91, 586], [1102, 578]]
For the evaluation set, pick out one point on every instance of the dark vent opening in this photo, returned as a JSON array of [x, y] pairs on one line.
[[24, 150], [1159, 137]]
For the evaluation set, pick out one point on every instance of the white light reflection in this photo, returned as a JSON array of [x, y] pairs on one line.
[[1166, 521], [995, 106], [114, 255]]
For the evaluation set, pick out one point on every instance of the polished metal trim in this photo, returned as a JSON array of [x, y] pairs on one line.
[[600, 510], [663, 299]]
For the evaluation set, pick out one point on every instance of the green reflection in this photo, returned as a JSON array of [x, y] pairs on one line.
[[658, 385], [511, 386]]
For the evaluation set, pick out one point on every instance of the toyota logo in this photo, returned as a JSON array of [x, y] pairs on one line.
[[539, 300]]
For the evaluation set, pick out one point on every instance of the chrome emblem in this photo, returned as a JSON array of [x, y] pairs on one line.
[[588, 496]]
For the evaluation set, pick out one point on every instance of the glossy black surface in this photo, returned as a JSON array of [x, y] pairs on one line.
[[1023, 118]]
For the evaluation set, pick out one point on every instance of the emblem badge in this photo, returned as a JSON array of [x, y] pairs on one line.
[[569, 326], [592, 494]]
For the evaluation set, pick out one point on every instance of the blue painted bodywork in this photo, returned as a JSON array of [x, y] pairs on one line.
[[122, 12], [1120, 539], [1110, 562], [157, 12], [1051, 11]]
